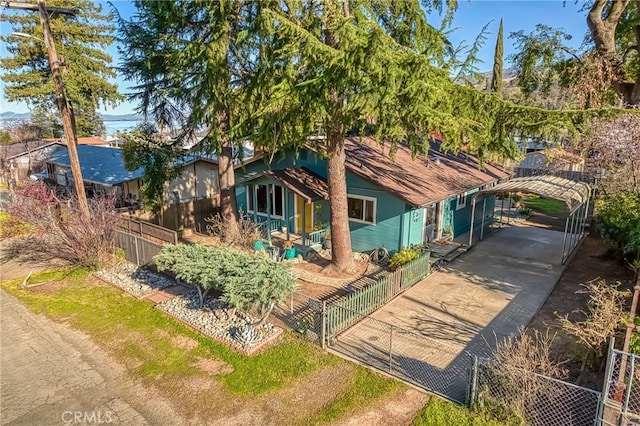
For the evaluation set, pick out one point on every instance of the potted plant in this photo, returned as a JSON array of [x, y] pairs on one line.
[[257, 242], [327, 239], [284, 229], [289, 250], [447, 234]]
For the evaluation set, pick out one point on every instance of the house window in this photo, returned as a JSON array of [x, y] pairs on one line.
[[462, 201], [261, 193], [362, 209]]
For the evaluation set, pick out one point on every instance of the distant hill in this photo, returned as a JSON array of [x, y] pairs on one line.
[[15, 116], [122, 117], [12, 116]]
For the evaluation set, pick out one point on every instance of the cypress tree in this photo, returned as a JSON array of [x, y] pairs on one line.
[[496, 77]]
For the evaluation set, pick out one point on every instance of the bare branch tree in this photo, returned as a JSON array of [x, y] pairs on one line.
[[602, 317]]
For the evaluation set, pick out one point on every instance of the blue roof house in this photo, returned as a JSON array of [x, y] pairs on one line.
[[103, 170], [392, 203]]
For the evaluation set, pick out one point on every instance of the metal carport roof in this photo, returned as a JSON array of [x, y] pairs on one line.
[[572, 193], [576, 195]]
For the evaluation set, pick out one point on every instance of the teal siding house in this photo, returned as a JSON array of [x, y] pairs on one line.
[[394, 201]]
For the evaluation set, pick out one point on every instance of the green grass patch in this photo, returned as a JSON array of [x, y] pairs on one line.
[[546, 206], [366, 387], [134, 330], [13, 227], [147, 341], [439, 412]]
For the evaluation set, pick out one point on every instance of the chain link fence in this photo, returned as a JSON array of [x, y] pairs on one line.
[[621, 389], [517, 396], [407, 355]]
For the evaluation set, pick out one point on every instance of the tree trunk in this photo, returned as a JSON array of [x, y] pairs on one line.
[[341, 255], [603, 33], [227, 181]]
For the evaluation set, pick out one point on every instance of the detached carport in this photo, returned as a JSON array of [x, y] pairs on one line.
[[576, 195]]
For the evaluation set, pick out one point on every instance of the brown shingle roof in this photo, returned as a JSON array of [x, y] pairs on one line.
[[421, 180]]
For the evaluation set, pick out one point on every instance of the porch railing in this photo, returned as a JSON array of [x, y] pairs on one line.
[[275, 225], [315, 237]]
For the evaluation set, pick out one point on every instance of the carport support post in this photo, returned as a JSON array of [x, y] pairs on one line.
[[484, 206], [573, 232], [586, 210], [390, 347], [501, 209], [509, 217], [564, 238]]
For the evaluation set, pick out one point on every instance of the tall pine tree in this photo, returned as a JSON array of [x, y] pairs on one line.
[[496, 76], [81, 42]]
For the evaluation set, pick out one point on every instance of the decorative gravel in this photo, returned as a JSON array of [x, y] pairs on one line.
[[215, 319], [134, 279]]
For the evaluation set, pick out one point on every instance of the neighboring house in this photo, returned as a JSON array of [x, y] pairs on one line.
[[550, 161], [90, 140], [103, 170], [19, 161], [391, 203]]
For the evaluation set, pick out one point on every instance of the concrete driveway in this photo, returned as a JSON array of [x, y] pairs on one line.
[[483, 296]]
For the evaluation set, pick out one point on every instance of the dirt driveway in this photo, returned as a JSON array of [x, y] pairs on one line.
[[483, 296]]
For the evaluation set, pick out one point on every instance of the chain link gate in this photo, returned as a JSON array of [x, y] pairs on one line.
[[519, 396], [409, 356]]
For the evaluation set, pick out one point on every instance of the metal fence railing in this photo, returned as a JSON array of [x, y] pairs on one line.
[[518, 396]]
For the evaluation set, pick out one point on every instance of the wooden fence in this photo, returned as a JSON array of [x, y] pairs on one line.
[[347, 311], [190, 214], [148, 230], [137, 249]]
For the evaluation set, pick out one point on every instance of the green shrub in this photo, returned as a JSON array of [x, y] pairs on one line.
[[404, 256]]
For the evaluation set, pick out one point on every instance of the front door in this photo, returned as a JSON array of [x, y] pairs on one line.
[[430, 215], [302, 205]]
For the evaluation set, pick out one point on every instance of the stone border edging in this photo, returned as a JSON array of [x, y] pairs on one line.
[[250, 351]]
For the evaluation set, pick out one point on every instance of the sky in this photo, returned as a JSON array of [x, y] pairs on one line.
[[470, 18]]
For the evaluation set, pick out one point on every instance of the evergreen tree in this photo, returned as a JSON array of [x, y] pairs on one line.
[[80, 42], [496, 77], [191, 61]]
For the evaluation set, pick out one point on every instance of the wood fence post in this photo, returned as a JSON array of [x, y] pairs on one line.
[[135, 242]]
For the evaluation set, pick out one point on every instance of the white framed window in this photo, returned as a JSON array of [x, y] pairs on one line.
[[462, 201], [260, 191], [362, 209]]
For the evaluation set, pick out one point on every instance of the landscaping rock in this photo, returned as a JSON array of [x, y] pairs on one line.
[[134, 280], [217, 320]]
